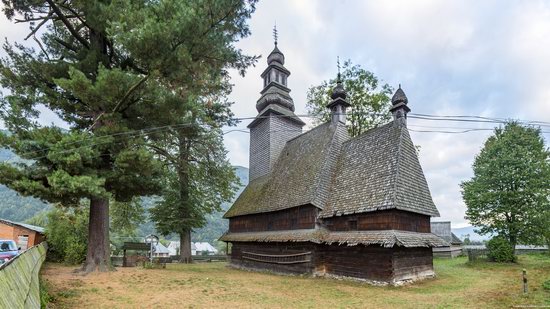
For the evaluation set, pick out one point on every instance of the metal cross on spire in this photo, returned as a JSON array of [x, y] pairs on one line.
[[275, 34], [338, 65]]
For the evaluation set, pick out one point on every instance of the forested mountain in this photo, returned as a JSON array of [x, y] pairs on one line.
[[18, 208], [14, 206], [216, 225]]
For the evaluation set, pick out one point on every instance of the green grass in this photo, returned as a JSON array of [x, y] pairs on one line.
[[458, 284]]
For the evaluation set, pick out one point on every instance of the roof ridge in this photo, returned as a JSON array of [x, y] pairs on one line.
[[397, 165], [333, 141]]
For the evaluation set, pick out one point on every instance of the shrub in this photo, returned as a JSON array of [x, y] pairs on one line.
[[67, 235], [500, 250], [546, 285]]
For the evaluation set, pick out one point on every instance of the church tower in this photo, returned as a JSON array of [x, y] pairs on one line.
[[276, 122]]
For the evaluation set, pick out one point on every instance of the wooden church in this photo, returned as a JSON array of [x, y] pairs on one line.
[[323, 203]]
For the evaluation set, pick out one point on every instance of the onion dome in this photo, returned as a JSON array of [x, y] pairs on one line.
[[276, 56], [399, 97], [338, 91]]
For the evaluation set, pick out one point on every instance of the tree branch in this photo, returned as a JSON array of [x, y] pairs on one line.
[[129, 92], [66, 45], [48, 17], [67, 23]]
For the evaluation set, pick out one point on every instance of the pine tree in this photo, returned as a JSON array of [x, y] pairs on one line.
[[110, 70]]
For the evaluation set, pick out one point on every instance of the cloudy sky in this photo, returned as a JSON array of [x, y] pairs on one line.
[[486, 58]]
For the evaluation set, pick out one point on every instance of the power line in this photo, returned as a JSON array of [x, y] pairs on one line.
[[453, 118]]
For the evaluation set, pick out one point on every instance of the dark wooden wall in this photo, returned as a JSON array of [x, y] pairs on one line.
[[365, 262], [239, 250], [302, 217], [380, 220], [409, 263]]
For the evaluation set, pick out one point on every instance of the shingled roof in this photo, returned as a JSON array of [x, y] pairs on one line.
[[375, 171], [379, 170], [300, 176], [384, 238]]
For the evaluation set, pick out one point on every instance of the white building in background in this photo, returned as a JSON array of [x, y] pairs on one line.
[[161, 251], [197, 248], [204, 248]]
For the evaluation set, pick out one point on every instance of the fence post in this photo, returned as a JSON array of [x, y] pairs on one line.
[[524, 281]]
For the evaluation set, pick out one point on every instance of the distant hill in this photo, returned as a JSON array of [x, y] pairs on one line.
[[217, 225], [14, 206], [19, 208], [469, 230]]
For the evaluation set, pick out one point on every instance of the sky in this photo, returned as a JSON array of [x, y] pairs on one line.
[[485, 58]]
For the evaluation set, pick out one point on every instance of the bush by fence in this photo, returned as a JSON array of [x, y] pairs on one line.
[[19, 283], [480, 252]]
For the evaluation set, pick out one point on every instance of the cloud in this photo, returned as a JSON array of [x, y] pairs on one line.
[[453, 57]]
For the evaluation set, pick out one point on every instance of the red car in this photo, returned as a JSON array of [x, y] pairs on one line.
[[8, 250]]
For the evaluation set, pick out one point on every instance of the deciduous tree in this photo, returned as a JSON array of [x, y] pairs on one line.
[[511, 184], [369, 98]]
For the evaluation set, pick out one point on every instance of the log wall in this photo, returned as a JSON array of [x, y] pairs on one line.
[[380, 220], [302, 217], [364, 262], [276, 257], [412, 263]]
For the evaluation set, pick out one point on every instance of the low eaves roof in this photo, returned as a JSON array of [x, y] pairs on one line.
[[384, 238]]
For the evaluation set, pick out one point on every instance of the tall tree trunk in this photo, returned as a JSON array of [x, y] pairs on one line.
[[183, 177], [98, 253], [185, 247], [513, 242]]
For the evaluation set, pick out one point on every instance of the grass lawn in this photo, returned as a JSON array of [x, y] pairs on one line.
[[213, 285]]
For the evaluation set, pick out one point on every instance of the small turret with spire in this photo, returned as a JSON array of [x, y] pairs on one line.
[[399, 106], [338, 104]]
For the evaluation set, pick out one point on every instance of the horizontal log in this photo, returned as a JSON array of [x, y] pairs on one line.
[[278, 255], [277, 262]]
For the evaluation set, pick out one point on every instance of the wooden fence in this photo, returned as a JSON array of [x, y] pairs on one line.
[[117, 260], [19, 287], [480, 252]]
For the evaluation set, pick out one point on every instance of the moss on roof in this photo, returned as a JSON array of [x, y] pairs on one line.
[[298, 177], [323, 167]]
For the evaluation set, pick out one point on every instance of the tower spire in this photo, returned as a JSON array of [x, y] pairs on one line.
[[338, 104], [399, 106]]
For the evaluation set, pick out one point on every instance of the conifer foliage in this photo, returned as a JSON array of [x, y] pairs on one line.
[[112, 70]]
